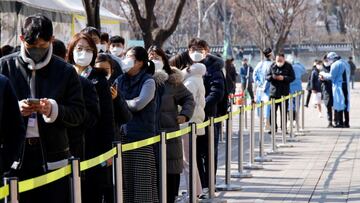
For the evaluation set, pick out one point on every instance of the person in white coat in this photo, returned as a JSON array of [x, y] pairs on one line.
[[193, 81]]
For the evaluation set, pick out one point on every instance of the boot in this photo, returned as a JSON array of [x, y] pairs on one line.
[[339, 123], [346, 123]]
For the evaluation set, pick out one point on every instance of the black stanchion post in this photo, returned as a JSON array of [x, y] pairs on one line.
[[13, 190], [241, 173], [262, 157], [163, 173], [228, 186], [75, 180], [251, 164], [117, 173], [193, 163]]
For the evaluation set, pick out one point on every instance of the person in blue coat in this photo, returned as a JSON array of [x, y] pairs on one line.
[[339, 74], [296, 85], [262, 85]]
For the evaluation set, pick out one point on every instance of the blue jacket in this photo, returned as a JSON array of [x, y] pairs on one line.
[[259, 76], [244, 72], [142, 124], [299, 71], [337, 70], [214, 82]]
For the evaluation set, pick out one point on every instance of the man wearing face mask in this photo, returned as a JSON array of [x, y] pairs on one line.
[[50, 101], [215, 97], [326, 90], [280, 75], [246, 72]]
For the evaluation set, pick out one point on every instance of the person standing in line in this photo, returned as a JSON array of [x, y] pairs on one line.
[[262, 85], [280, 75], [50, 101], [12, 129], [326, 89], [171, 94], [246, 73], [316, 86], [308, 86], [230, 76], [353, 71], [138, 88]]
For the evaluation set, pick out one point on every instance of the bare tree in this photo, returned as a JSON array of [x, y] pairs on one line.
[[152, 33], [92, 9], [273, 20]]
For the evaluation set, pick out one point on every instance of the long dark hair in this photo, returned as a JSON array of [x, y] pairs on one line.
[[141, 54], [163, 56]]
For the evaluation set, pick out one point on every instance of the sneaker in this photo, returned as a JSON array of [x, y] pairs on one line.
[[183, 198], [204, 194]]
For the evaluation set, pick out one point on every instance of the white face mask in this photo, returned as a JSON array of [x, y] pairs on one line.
[[101, 47], [197, 56], [326, 64], [159, 65], [280, 64], [82, 58], [116, 51], [127, 64], [319, 67]]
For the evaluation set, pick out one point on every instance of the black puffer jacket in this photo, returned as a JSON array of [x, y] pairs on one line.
[[57, 80], [171, 93], [326, 89], [280, 88], [215, 87]]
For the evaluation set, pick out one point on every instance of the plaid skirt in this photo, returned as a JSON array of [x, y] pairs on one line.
[[139, 176]]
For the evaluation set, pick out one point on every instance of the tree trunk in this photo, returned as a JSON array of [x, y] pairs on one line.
[[200, 6], [92, 9]]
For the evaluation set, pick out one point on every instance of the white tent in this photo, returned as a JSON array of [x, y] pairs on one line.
[[68, 18]]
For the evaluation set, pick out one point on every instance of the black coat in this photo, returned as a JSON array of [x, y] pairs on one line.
[[280, 88], [326, 89], [99, 138], [315, 82], [215, 86], [57, 80], [12, 129], [92, 114]]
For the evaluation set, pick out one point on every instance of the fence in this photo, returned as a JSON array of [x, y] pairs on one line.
[[11, 189]]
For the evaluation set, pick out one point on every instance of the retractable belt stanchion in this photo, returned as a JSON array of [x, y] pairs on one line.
[[291, 119], [163, 191], [274, 149], [241, 173], [117, 173], [262, 157], [228, 186], [246, 115], [251, 164], [297, 114], [211, 147], [193, 164], [303, 113], [75, 181], [283, 124], [13, 190], [221, 133]]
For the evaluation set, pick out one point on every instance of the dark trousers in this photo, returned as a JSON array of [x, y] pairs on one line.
[[173, 184], [249, 89], [278, 106], [346, 112], [308, 96], [97, 185], [32, 166], [329, 113], [202, 155]]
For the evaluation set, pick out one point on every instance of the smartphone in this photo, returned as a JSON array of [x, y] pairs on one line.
[[33, 101]]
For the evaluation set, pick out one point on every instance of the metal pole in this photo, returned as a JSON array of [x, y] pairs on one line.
[[297, 112], [251, 164], [241, 173], [117, 171], [262, 157], [303, 114], [222, 140], [246, 114], [193, 164], [274, 149], [13, 190], [211, 177], [283, 124], [75, 181], [163, 173], [228, 186], [291, 118]]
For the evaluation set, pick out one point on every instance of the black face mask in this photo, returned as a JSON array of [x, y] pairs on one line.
[[37, 54]]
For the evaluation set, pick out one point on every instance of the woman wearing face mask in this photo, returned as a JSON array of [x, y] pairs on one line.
[[171, 93], [193, 81], [82, 54], [122, 113], [316, 86], [138, 89]]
